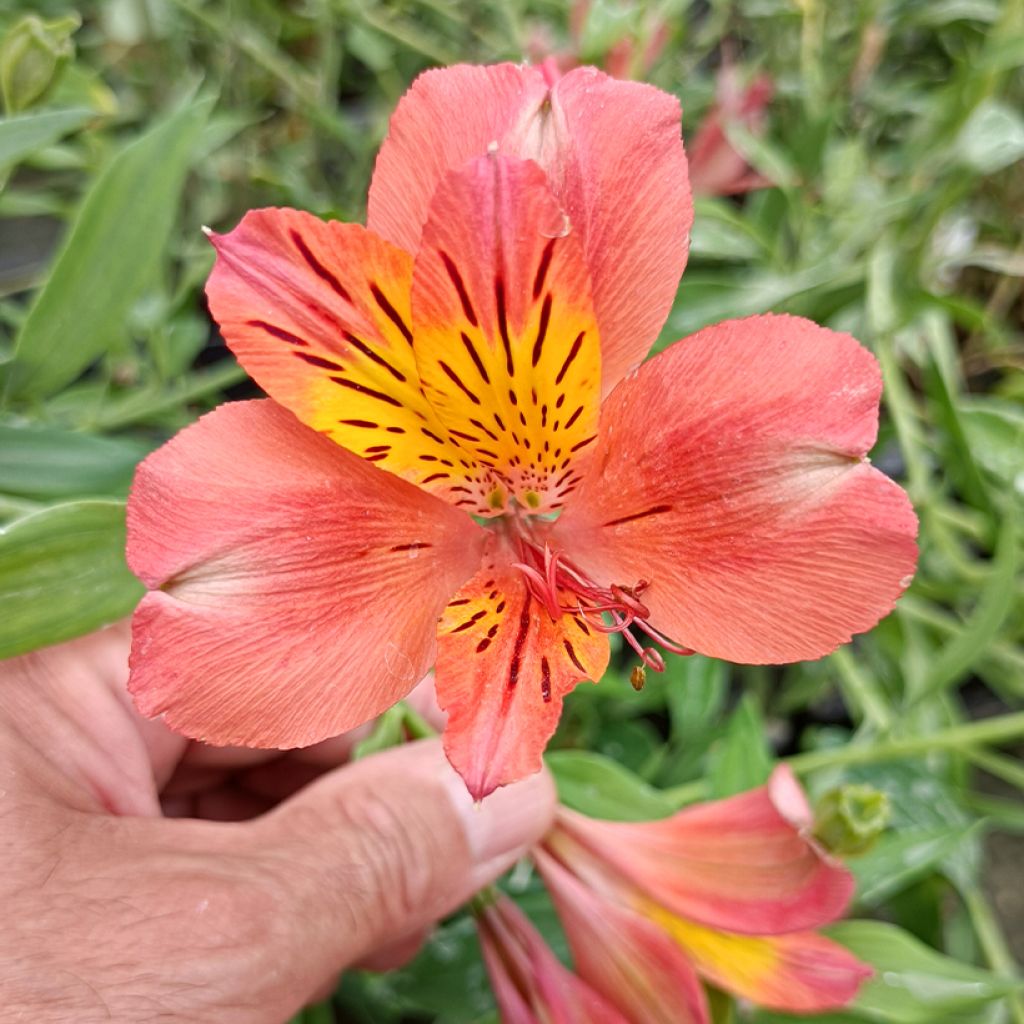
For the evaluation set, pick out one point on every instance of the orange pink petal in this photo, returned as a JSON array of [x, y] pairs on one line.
[[294, 588], [530, 984], [614, 159], [744, 864], [629, 959], [503, 669], [506, 342], [730, 472]]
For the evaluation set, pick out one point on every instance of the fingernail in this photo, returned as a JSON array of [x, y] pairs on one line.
[[503, 826]]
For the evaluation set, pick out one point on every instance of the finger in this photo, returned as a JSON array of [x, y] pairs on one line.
[[230, 803], [366, 856], [395, 955], [280, 779]]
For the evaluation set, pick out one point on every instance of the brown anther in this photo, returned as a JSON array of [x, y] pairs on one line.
[[638, 677]]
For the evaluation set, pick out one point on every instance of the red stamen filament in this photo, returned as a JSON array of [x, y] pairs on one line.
[[549, 576]]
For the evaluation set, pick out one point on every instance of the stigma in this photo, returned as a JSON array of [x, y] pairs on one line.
[[562, 588]]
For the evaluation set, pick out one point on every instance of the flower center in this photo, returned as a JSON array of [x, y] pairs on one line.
[[564, 589]]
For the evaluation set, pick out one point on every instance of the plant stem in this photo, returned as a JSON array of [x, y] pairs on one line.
[[861, 690], [988, 731], [993, 943]]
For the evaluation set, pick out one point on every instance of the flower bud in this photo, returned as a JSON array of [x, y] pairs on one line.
[[850, 818], [32, 54]]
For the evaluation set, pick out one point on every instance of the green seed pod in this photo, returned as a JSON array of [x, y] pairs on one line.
[[850, 818], [32, 54]]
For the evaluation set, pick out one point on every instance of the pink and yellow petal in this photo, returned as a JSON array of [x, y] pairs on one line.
[[531, 986], [507, 345], [503, 668], [276, 562], [318, 314], [801, 972], [730, 472], [627, 958], [744, 864], [614, 159]]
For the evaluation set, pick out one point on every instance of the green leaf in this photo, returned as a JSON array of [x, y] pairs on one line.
[[770, 159], [596, 785], [63, 573], [741, 760], [995, 433], [20, 136], [914, 984], [49, 464], [112, 252], [899, 859], [995, 602], [992, 138], [769, 1017], [446, 982], [695, 692]]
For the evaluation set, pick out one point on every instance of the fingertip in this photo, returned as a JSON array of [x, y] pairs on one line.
[[503, 826]]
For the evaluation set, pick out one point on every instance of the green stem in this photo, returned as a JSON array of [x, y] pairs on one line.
[[862, 690], [993, 943], [416, 725], [1001, 767], [988, 731]]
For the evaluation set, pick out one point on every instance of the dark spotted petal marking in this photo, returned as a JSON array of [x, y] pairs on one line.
[[319, 314], [503, 669], [505, 328]]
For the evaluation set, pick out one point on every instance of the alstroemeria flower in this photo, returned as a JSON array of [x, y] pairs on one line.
[[525, 242], [531, 985], [729, 891], [716, 168]]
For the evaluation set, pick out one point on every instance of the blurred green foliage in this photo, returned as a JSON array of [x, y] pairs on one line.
[[893, 143]]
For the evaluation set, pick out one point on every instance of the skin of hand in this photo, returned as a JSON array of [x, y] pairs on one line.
[[146, 878]]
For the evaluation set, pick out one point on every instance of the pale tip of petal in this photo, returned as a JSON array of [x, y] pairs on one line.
[[788, 797], [206, 231], [492, 147]]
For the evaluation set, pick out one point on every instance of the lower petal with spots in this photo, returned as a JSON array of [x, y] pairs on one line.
[[503, 668]]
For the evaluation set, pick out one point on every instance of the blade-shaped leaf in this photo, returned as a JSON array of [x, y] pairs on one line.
[[914, 984], [63, 573], [51, 464], [741, 760], [20, 136], [596, 785], [114, 247]]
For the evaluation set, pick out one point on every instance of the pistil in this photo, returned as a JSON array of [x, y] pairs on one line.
[[564, 589]]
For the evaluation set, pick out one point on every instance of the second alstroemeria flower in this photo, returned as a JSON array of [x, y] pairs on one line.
[[728, 891], [437, 384]]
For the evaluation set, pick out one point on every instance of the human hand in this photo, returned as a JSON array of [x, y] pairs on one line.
[[114, 911]]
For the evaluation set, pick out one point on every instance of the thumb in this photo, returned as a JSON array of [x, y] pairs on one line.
[[377, 851]]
